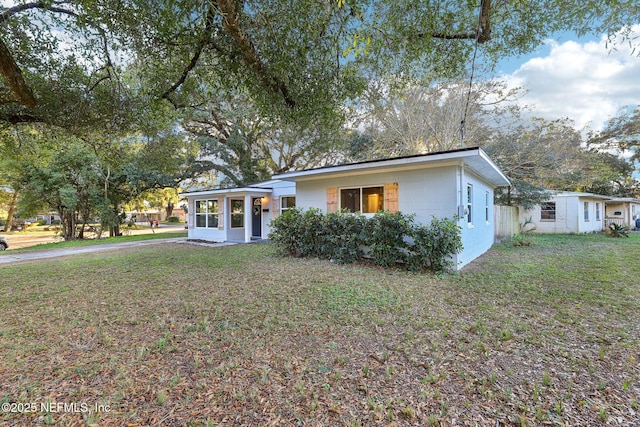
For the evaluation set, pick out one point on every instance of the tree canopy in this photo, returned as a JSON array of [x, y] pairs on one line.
[[295, 59]]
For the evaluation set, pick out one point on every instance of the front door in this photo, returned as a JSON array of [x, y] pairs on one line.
[[256, 218]]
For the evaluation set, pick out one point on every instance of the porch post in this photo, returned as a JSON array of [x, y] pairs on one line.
[[247, 218]]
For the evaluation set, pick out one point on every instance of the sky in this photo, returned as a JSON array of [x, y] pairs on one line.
[[582, 79]]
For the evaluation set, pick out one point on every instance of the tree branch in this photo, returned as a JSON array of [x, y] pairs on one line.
[[231, 23], [14, 79], [482, 34]]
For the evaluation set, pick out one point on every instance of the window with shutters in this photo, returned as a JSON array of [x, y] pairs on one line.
[[367, 200]]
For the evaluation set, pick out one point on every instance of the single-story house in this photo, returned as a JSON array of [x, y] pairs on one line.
[[444, 184], [237, 214], [567, 212], [622, 211]]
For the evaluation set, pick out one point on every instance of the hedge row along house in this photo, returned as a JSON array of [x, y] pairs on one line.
[[458, 183]]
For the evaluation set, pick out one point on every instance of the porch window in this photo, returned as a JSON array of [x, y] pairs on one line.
[[368, 200], [597, 211], [237, 213], [207, 213], [586, 211], [548, 211], [287, 202]]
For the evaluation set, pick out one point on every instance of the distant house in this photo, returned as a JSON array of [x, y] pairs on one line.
[[568, 212], [445, 184], [622, 211]]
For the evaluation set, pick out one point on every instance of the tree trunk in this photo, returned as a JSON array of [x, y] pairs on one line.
[[169, 209], [12, 210]]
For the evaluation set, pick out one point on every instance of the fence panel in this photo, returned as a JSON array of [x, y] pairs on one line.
[[506, 222]]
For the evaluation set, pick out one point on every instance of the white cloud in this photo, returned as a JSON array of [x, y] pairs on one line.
[[586, 82]]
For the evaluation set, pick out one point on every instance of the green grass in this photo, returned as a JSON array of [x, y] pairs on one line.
[[191, 335]]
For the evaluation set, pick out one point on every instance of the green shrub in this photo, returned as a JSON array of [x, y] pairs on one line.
[[435, 244], [173, 219], [342, 237], [616, 230], [386, 236], [298, 233], [390, 239], [41, 222]]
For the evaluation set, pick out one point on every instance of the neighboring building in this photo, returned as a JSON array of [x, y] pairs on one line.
[[568, 212], [237, 214], [446, 184], [158, 214], [622, 211]]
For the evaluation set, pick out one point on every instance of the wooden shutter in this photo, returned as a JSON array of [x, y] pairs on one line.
[[275, 207], [391, 197], [332, 200], [221, 202]]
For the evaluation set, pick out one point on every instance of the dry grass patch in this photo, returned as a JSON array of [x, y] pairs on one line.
[[189, 335]]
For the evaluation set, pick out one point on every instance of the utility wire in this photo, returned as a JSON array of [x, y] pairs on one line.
[[473, 68]]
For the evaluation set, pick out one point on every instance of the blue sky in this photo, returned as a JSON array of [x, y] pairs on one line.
[[579, 78]]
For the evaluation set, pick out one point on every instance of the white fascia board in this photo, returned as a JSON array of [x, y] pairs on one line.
[[581, 195], [476, 159], [229, 191]]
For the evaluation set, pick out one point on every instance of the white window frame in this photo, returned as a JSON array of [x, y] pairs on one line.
[[282, 200], [586, 212], [555, 210], [233, 214], [487, 195], [360, 188], [598, 216], [206, 214], [470, 204]]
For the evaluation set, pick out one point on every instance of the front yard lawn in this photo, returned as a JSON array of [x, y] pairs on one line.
[[190, 335]]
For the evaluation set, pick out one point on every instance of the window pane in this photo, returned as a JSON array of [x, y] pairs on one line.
[[201, 206], [212, 206], [212, 221], [237, 213], [469, 203], [350, 199], [201, 220], [237, 206], [288, 202], [372, 199], [237, 220], [548, 211], [586, 211]]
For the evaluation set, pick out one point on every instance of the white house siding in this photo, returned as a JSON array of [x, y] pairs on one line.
[[478, 236], [426, 192], [569, 215], [423, 193], [276, 189]]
